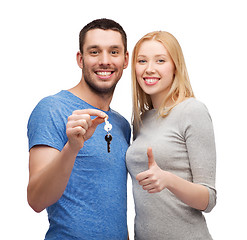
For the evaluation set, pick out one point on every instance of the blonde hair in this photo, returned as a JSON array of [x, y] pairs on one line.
[[180, 89]]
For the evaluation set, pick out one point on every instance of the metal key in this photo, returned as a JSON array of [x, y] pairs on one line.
[[108, 138]]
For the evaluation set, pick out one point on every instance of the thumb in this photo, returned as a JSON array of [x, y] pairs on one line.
[[97, 121], [90, 131], [151, 161]]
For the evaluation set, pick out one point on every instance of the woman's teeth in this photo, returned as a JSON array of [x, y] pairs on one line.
[[151, 80]]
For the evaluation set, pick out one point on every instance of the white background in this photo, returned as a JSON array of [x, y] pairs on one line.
[[38, 45]]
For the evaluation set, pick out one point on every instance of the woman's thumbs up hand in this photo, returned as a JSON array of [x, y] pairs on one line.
[[154, 179]]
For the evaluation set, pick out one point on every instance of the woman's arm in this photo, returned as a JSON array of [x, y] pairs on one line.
[[197, 130], [155, 180]]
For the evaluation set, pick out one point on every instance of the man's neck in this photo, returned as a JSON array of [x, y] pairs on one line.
[[100, 101]]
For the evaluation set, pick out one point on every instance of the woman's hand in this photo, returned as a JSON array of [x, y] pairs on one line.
[[154, 179]]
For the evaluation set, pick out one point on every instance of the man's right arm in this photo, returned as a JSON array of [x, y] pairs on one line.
[[49, 172], [50, 169]]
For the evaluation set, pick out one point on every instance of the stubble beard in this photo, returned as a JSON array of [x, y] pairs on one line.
[[103, 91]]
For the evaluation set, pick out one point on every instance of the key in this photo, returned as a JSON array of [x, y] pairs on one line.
[[108, 138]]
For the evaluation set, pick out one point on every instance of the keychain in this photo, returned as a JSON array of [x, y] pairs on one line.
[[108, 136]]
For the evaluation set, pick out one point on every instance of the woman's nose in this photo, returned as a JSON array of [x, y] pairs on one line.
[[150, 68]]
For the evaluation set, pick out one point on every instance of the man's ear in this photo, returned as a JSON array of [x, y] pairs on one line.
[[126, 60], [79, 59]]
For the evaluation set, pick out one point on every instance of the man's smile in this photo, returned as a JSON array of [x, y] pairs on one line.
[[104, 74]]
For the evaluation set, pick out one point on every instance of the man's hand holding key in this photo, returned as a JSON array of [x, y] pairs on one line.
[[80, 126]]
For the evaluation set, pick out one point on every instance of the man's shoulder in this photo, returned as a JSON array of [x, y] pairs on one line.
[[61, 96], [50, 100], [61, 100], [53, 106]]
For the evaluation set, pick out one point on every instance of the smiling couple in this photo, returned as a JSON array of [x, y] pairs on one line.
[[171, 160]]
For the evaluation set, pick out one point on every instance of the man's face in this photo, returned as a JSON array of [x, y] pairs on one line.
[[103, 60]]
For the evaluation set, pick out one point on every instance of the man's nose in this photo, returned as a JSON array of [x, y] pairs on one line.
[[105, 58]]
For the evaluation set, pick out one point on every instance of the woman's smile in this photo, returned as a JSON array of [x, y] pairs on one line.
[[150, 81]]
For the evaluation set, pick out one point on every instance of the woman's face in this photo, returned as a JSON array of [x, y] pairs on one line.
[[154, 70]]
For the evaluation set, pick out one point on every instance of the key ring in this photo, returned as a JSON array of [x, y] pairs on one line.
[[108, 126]]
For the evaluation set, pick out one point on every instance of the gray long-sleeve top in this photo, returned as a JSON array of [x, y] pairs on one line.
[[183, 144]]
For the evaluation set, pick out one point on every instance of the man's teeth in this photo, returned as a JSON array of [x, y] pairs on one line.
[[151, 80], [104, 73]]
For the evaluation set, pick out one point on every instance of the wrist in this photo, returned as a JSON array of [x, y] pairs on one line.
[[72, 149], [169, 177]]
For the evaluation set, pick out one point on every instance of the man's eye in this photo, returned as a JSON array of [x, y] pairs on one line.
[[94, 52], [114, 52]]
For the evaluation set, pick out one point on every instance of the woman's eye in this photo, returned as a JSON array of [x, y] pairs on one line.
[[141, 61], [161, 61]]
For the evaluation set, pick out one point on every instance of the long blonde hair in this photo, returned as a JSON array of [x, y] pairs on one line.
[[180, 89]]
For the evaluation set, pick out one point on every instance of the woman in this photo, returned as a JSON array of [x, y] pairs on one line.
[[172, 159]]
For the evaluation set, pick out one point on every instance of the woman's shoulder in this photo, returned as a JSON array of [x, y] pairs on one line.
[[192, 105], [193, 110]]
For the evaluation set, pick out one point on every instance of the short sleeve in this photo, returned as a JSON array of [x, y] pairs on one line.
[[200, 142], [46, 125], [127, 131]]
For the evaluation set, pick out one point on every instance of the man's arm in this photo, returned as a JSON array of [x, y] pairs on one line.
[[50, 169]]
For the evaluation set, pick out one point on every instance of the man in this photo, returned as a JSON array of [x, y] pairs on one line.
[[72, 174]]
